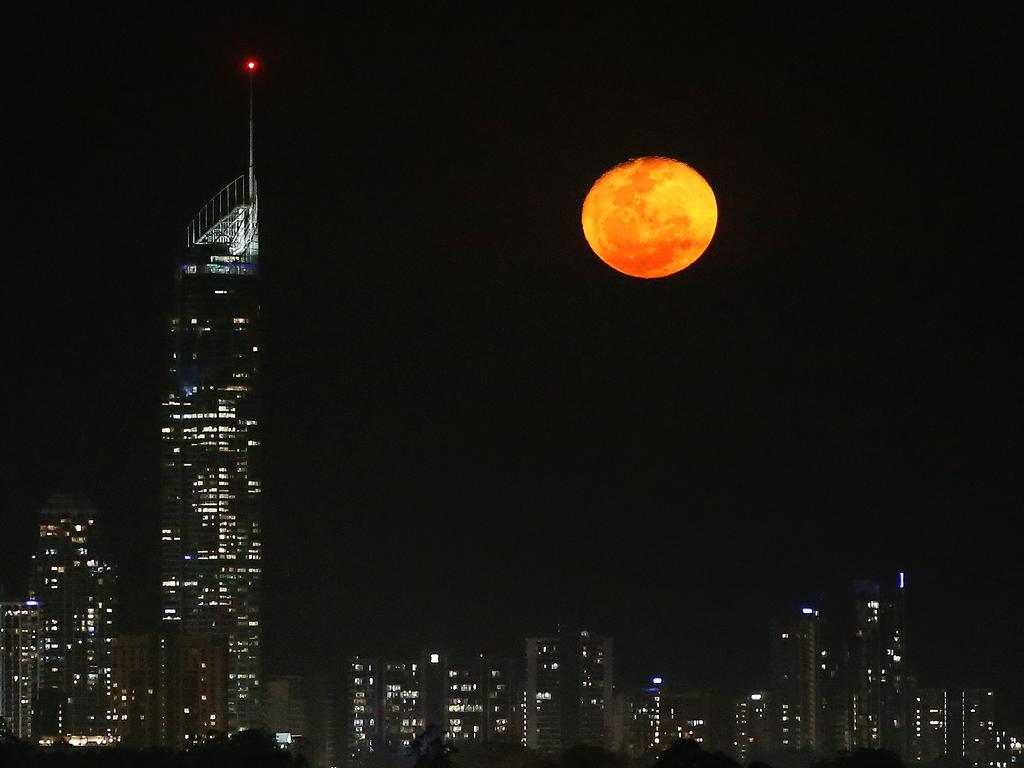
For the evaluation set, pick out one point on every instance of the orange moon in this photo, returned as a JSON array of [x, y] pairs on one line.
[[650, 217]]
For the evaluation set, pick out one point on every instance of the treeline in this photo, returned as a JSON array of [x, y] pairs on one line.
[[248, 749], [257, 749]]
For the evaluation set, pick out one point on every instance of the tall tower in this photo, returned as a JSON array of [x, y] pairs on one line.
[[569, 691], [19, 665], [878, 677], [211, 457], [73, 591], [795, 664]]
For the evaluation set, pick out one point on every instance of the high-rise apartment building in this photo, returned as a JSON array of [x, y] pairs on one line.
[[955, 723], [568, 690], [976, 731], [878, 678], [929, 722], [546, 694], [467, 702], [211, 439], [19, 665], [361, 711], [795, 671], [752, 726], [74, 592], [195, 688], [706, 718], [647, 720], [169, 690], [136, 691], [504, 696], [384, 710], [644, 720], [389, 702], [833, 697], [483, 700]]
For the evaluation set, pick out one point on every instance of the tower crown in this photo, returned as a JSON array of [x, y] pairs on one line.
[[230, 219]]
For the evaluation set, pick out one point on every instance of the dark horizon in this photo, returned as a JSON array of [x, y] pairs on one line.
[[473, 425]]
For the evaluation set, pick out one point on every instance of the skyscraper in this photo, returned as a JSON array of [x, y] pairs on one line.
[[211, 473], [795, 673], [19, 665], [878, 679], [74, 592]]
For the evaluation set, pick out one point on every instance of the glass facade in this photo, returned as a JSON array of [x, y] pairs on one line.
[[210, 431], [73, 590]]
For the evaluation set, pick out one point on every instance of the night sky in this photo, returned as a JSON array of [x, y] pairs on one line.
[[474, 428]]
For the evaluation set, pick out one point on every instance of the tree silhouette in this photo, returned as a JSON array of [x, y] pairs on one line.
[[862, 758], [431, 749], [583, 756], [686, 753]]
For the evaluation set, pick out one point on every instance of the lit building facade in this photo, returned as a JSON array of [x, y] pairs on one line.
[[19, 665], [136, 690], [545, 696], [703, 717], [878, 675], [977, 730], [648, 720], [402, 701], [752, 726], [833, 699], [361, 711], [484, 700], [595, 691], [211, 440], [195, 687], [505, 696], [569, 690], [384, 710], [930, 725], [795, 670], [643, 720], [74, 592], [169, 690], [390, 702], [468, 709], [1011, 748]]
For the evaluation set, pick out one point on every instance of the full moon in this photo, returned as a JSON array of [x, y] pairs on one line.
[[650, 217]]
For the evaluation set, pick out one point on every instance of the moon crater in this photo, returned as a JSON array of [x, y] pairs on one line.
[[650, 217]]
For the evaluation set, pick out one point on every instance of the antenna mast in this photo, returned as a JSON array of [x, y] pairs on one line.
[[251, 67]]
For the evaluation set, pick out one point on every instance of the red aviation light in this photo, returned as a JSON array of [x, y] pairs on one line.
[[250, 65]]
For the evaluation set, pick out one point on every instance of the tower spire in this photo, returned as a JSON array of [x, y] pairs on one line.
[[250, 66]]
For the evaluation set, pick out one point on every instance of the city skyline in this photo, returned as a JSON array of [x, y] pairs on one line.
[[475, 429], [839, 681]]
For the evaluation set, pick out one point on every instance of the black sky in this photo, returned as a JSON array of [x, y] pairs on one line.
[[474, 427]]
